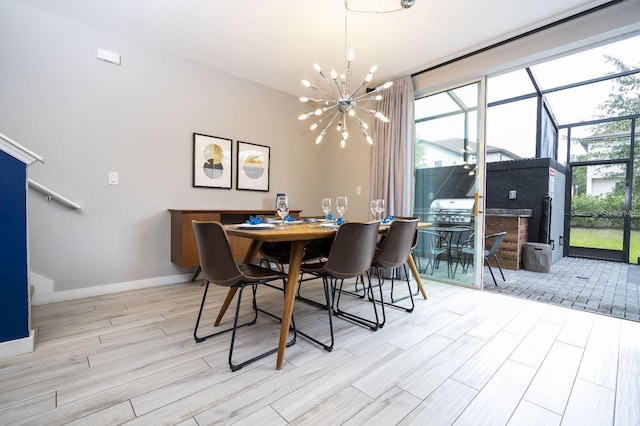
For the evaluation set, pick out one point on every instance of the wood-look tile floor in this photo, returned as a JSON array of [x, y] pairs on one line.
[[462, 357]]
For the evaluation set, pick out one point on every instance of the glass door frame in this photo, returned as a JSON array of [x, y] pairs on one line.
[[480, 178], [593, 252], [628, 162]]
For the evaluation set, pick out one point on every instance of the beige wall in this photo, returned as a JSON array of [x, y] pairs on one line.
[[87, 117]]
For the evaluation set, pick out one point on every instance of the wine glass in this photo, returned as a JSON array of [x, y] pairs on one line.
[[341, 205], [326, 206], [380, 207], [282, 207], [373, 208]]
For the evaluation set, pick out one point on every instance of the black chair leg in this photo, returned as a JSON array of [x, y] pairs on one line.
[[327, 295], [499, 267], [236, 367], [490, 270], [372, 325], [410, 295], [195, 331]]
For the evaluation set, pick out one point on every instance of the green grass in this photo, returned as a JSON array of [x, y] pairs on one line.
[[605, 238]]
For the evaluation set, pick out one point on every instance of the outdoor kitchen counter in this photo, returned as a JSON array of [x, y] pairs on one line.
[[515, 222], [508, 212]]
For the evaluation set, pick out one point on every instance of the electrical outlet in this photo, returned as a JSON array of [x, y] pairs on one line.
[[358, 190]]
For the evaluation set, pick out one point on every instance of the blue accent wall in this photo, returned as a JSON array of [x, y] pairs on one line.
[[14, 308]]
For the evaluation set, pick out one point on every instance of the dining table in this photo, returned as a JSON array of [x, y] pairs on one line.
[[298, 235]]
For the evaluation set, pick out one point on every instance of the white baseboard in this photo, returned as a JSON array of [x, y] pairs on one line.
[[44, 292], [17, 346]]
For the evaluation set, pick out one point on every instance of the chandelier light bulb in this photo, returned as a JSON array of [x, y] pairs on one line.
[[306, 83], [342, 143], [303, 117], [380, 116], [317, 67], [303, 99], [350, 56], [334, 74]]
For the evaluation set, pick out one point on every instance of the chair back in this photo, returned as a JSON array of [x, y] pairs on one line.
[[429, 243], [495, 246], [214, 251], [397, 243], [352, 250]]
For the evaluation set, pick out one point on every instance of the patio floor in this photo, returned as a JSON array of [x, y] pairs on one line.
[[608, 288]]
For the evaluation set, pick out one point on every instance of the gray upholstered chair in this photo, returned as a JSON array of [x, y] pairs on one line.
[[350, 257], [393, 253], [220, 268]]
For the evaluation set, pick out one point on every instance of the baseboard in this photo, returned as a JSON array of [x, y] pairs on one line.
[[17, 346], [44, 292]]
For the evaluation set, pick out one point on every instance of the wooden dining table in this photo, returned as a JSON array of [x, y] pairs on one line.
[[298, 235]]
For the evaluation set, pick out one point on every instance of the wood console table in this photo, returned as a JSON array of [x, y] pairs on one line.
[[184, 250]]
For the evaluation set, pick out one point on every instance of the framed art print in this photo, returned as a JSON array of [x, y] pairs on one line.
[[252, 170], [212, 161]]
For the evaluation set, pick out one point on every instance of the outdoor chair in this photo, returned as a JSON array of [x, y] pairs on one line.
[[468, 252], [431, 246]]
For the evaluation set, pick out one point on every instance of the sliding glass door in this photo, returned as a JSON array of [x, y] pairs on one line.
[[449, 183]]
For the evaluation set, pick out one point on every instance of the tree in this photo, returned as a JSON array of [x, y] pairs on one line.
[[612, 138]]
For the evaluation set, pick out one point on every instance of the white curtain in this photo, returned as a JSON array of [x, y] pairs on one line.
[[392, 151]]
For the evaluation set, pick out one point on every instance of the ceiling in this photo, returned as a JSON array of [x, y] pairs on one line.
[[276, 42]]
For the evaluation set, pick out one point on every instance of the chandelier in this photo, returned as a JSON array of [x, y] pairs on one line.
[[339, 101]]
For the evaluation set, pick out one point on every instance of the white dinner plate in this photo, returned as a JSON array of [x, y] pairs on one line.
[[329, 225], [293, 222], [255, 225]]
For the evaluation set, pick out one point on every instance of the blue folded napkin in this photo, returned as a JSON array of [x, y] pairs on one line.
[[329, 217], [387, 219], [254, 220], [340, 221], [289, 218]]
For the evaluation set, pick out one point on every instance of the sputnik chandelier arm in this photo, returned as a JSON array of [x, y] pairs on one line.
[[340, 102]]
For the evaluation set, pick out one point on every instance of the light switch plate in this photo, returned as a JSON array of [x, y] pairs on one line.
[[113, 178]]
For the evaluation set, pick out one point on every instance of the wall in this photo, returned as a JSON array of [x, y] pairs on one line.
[[88, 117], [14, 309]]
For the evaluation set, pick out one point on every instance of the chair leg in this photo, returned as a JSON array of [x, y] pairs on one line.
[[410, 295], [326, 347], [499, 267], [195, 331], [372, 325], [490, 270], [236, 367], [329, 347]]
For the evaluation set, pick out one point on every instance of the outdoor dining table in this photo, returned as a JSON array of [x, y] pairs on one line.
[[298, 235]]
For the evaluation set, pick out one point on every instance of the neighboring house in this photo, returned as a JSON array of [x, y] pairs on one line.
[[449, 152], [603, 178]]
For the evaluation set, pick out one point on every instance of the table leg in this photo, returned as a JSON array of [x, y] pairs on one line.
[[251, 253], [196, 273], [297, 248], [416, 275]]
